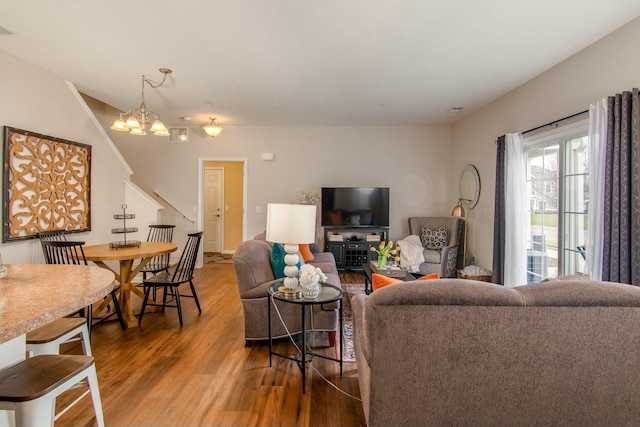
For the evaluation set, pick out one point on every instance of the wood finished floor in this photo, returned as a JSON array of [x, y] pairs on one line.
[[203, 375]]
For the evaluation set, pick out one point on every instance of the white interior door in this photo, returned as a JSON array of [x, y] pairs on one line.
[[213, 219]]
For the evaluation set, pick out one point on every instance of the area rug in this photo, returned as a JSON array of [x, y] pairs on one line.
[[347, 322], [217, 258]]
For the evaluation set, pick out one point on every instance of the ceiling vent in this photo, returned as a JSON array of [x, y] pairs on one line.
[[178, 135]]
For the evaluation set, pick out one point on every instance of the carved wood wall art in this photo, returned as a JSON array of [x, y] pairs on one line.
[[47, 185]]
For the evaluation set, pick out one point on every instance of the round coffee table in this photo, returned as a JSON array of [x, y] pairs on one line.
[[328, 293]]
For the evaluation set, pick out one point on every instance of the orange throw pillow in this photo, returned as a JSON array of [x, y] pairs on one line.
[[380, 281], [305, 251], [433, 276]]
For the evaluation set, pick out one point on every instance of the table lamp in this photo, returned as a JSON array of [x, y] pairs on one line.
[[291, 225]]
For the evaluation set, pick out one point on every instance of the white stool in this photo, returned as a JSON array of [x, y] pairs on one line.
[[47, 339], [30, 387]]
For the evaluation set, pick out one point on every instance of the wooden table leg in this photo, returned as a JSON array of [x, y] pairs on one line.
[[127, 274], [97, 310], [125, 293]]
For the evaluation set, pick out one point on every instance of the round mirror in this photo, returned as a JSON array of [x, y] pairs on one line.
[[469, 190]]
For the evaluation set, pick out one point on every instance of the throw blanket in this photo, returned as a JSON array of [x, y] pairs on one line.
[[411, 255]]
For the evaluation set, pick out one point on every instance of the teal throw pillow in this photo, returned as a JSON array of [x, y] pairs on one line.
[[277, 261]]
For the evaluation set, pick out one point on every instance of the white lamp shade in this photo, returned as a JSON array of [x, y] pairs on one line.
[[289, 223]]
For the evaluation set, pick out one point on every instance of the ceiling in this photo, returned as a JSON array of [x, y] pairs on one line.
[[302, 62]]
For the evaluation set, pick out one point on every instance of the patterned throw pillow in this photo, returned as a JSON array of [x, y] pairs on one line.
[[434, 239]]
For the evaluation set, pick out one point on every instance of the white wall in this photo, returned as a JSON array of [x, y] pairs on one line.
[[412, 161], [608, 66], [35, 100], [145, 209]]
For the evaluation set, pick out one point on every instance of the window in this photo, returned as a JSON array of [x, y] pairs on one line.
[[548, 187], [558, 191]]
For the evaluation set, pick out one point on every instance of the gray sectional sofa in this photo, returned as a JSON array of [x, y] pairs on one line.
[[466, 353]]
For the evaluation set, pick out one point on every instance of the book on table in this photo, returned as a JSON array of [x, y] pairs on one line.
[[389, 271]]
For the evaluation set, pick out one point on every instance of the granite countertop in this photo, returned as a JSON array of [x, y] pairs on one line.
[[32, 295]]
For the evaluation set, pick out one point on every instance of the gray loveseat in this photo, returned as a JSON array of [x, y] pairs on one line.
[[467, 353], [252, 263]]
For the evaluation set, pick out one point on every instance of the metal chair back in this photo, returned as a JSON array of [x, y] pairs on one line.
[[58, 235], [63, 252], [158, 233], [186, 265]]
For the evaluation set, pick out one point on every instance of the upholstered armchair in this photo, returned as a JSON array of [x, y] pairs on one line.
[[252, 264], [441, 238]]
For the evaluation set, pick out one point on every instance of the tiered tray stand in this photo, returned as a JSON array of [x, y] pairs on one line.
[[124, 230]]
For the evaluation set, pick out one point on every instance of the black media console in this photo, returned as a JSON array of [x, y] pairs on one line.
[[351, 246]]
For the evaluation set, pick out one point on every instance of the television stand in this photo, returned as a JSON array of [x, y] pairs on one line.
[[351, 246]]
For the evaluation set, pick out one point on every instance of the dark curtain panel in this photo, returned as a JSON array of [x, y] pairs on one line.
[[499, 214], [621, 257]]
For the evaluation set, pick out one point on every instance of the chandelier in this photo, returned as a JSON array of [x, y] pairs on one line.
[[212, 129], [135, 121]]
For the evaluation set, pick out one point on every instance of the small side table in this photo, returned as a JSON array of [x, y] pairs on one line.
[[328, 293]]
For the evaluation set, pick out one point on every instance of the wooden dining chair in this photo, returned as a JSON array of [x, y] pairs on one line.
[[71, 252], [58, 235], [171, 280], [158, 233], [48, 338]]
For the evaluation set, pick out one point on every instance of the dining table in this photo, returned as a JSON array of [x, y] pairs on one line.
[[127, 269], [32, 295]]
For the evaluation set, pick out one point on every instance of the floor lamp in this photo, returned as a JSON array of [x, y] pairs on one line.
[[459, 211], [291, 225]]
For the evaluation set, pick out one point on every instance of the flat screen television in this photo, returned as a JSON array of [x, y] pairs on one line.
[[355, 206]]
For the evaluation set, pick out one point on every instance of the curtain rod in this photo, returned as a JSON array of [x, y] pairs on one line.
[[555, 122]]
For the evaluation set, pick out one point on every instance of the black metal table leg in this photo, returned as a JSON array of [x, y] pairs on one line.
[[328, 293], [341, 335], [303, 366], [269, 302]]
